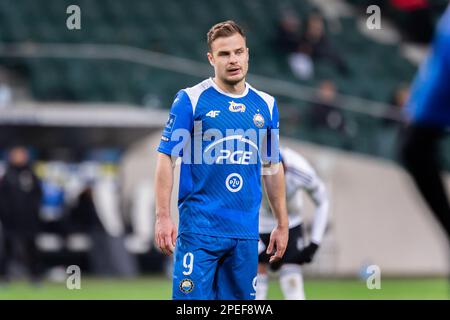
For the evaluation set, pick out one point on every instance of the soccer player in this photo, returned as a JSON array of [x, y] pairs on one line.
[[429, 112], [226, 133], [299, 177]]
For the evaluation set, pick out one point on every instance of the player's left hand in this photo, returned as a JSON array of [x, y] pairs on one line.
[[307, 254], [278, 240]]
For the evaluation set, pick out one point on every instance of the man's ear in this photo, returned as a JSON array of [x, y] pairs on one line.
[[210, 58]]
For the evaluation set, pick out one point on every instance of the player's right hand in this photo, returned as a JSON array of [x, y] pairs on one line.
[[278, 240], [165, 234]]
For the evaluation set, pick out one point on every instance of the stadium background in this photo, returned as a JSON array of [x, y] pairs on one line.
[[90, 105]]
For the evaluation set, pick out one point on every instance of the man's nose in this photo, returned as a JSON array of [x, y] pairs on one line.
[[233, 58]]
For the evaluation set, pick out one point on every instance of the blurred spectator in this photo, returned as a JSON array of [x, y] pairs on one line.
[[400, 96], [20, 200], [306, 46], [314, 42], [84, 220], [391, 122], [324, 112], [398, 101], [106, 255], [288, 33], [83, 217], [288, 40]]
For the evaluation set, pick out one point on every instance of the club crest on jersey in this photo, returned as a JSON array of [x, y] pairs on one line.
[[236, 107], [186, 285], [258, 120]]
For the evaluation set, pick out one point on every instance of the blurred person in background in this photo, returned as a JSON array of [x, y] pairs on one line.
[[306, 45], [288, 41], [314, 42], [300, 176], [289, 32], [400, 97], [83, 219], [395, 113], [391, 123], [428, 109], [326, 111], [20, 201]]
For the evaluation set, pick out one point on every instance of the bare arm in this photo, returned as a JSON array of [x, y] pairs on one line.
[[275, 188], [165, 230]]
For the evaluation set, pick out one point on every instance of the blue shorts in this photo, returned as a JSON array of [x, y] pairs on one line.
[[208, 268]]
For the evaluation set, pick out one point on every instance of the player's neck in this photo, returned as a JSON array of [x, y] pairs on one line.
[[237, 89]]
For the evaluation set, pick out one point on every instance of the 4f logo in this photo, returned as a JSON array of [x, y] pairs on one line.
[[213, 113]]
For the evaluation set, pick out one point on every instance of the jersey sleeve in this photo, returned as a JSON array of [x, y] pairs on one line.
[[443, 37], [273, 137], [179, 126], [447, 51], [307, 179], [315, 188], [320, 198]]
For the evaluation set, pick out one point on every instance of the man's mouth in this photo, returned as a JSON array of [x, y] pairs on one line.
[[234, 71]]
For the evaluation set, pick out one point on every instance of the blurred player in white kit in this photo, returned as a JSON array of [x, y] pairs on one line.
[[299, 177]]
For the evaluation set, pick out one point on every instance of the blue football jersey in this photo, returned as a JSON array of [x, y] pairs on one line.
[[222, 139], [429, 103]]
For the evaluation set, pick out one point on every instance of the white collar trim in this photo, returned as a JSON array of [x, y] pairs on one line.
[[230, 94]]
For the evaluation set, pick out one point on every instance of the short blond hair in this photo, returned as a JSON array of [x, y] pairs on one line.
[[223, 29]]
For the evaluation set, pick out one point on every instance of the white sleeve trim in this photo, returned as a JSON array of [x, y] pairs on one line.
[[195, 92]]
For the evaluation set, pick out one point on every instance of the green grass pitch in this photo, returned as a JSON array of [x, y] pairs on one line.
[[159, 288]]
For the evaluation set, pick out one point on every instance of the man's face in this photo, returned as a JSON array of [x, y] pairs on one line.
[[18, 156], [229, 57]]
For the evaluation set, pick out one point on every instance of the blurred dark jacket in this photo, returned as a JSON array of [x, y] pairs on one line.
[[287, 40], [84, 217], [321, 48], [20, 201]]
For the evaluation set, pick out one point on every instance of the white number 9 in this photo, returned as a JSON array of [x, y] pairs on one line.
[[189, 265]]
